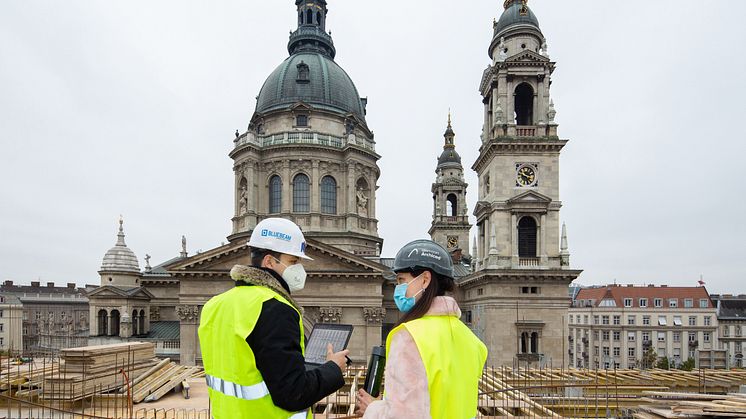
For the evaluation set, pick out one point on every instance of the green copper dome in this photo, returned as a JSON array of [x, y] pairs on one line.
[[313, 78], [516, 13]]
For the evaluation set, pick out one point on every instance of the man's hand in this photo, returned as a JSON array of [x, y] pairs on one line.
[[362, 400], [339, 358]]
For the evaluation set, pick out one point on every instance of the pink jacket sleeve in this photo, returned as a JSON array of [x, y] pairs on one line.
[[406, 391]]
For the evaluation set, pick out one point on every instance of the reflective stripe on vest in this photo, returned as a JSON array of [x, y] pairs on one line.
[[257, 391]]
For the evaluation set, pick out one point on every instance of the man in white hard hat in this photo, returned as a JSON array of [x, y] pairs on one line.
[[251, 336]]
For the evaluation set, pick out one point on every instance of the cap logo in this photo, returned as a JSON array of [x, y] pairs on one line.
[[431, 255], [276, 235], [413, 251], [303, 247]]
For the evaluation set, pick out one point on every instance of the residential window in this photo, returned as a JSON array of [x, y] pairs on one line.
[[480, 291], [631, 336], [646, 336], [1, 327], [691, 354], [631, 352], [38, 315], [63, 316], [585, 319], [577, 319], [739, 347], [706, 337], [1, 313], [726, 331], [595, 335], [662, 321], [606, 351], [703, 303], [662, 353], [677, 353], [692, 336], [646, 320], [617, 320], [661, 336], [2, 342], [688, 303], [617, 351], [605, 319], [570, 319], [677, 336], [595, 319], [738, 330], [25, 315], [692, 320], [658, 302], [628, 302], [631, 320], [606, 335], [673, 303], [617, 336], [708, 320], [677, 320], [643, 302]]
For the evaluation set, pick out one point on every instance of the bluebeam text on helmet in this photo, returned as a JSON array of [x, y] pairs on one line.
[[277, 235]]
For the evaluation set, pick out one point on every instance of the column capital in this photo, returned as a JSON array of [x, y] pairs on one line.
[[374, 314], [188, 313]]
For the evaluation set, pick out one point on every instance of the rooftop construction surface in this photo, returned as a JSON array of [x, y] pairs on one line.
[[91, 381]]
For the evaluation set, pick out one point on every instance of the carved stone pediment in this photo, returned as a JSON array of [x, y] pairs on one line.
[[530, 200], [528, 56]]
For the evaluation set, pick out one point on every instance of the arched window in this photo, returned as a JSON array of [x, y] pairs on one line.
[[328, 195], [524, 104], [300, 18], [318, 18], [135, 323], [275, 195], [527, 237], [534, 343], [102, 329], [114, 323], [451, 205], [309, 17], [524, 342], [142, 323], [301, 193]]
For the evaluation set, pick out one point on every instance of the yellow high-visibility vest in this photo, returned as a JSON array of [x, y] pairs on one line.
[[237, 389], [454, 359]]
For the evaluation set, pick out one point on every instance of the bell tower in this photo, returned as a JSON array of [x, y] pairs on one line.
[[450, 226], [521, 272]]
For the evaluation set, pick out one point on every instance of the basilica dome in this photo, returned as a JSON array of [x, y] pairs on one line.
[[313, 78], [516, 13], [449, 158], [120, 258]]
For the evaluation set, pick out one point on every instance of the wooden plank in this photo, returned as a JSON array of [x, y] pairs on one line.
[[178, 378]]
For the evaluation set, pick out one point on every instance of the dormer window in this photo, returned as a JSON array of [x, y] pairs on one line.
[[303, 73], [301, 121]]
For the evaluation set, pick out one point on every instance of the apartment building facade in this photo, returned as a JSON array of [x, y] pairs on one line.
[[731, 313], [11, 312], [617, 326]]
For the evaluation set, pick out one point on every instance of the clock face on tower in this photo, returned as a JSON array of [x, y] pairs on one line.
[[525, 175], [452, 242]]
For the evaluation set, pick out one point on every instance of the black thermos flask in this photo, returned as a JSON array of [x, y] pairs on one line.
[[374, 376]]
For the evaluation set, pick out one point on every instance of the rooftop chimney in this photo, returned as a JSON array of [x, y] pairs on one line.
[[50, 284], [8, 282], [664, 286], [71, 285], [35, 284]]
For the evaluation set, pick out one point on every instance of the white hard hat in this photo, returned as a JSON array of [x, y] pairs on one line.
[[279, 235]]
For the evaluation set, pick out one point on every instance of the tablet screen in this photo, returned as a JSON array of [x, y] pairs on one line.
[[322, 334]]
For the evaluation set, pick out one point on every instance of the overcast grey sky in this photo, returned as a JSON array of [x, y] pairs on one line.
[[111, 108]]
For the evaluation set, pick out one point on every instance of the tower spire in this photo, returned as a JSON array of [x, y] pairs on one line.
[[120, 235], [311, 35], [449, 134]]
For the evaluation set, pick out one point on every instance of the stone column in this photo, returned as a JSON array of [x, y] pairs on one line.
[[514, 238], [189, 316], [373, 321], [250, 180], [543, 237], [287, 187]]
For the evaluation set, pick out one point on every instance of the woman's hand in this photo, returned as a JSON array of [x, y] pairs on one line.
[[362, 400]]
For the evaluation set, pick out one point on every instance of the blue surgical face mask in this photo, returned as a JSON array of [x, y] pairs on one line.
[[404, 303]]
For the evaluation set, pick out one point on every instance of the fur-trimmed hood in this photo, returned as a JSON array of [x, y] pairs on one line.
[[261, 278]]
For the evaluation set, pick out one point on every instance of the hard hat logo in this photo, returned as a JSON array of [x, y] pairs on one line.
[[277, 235], [429, 254], [413, 251]]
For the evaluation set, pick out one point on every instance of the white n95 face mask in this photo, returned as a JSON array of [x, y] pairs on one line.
[[294, 276]]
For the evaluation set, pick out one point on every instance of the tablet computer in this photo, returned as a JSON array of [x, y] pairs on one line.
[[321, 335]]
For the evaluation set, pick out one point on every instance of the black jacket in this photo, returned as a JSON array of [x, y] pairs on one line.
[[275, 342]]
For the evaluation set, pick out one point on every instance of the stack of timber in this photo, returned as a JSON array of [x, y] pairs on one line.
[[159, 380], [692, 405], [96, 369]]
